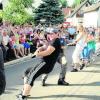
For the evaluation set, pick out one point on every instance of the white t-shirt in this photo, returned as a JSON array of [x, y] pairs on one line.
[[5, 39], [81, 42]]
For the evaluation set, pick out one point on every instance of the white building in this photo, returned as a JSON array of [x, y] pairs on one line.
[[91, 15], [73, 17]]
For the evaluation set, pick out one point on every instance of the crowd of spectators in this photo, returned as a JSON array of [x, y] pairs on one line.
[[18, 41]]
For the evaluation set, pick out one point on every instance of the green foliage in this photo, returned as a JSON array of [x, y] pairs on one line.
[[15, 13], [64, 3], [76, 3], [26, 3], [0, 14], [49, 11]]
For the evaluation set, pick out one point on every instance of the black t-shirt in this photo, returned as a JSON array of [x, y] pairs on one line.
[[63, 43], [52, 58]]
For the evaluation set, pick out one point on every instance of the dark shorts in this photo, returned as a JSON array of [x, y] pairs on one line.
[[26, 45]]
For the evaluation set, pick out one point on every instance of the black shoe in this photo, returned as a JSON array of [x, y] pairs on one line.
[[20, 97], [74, 70], [82, 66], [62, 82]]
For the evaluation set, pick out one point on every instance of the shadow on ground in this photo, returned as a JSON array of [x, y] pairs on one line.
[[91, 97]]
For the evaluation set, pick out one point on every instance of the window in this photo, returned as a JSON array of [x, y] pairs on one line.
[[80, 14]]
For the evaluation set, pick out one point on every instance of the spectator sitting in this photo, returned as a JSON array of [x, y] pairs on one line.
[[23, 40], [20, 46], [5, 43], [14, 46]]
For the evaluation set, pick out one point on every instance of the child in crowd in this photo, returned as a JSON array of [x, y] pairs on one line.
[[23, 40]]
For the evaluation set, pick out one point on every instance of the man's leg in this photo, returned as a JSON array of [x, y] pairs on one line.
[[29, 81], [26, 90], [63, 62], [44, 78]]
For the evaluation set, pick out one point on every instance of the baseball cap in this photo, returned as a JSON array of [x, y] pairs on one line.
[[55, 30], [51, 30]]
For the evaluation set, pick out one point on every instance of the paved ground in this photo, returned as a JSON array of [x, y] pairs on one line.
[[84, 85]]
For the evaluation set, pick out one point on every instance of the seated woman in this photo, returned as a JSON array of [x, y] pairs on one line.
[[14, 46]]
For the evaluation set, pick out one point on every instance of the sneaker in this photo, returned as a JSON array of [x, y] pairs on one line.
[[74, 70], [82, 66], [62, 82], [20, 97], [21, 94]]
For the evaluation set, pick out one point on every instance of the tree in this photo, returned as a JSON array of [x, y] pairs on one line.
[[26, 3], [15, 12], [50, 12], [64, 3], [76, 3]]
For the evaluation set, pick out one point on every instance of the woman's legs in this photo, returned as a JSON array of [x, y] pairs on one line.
[[76, 58]]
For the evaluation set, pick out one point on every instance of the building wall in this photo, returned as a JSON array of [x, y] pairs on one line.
[[99, 17], [75, 20], [91, 19]]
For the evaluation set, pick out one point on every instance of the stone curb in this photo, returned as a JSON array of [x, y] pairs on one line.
[[17, 60]]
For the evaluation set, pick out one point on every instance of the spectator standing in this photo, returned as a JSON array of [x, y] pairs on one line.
[[71, 30], [2, 73], [5, 43], [80, 44]]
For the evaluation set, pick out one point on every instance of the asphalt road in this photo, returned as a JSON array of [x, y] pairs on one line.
[[84, 85], [14, 72]]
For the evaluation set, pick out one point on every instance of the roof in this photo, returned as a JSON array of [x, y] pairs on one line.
[[92, 7], [78, 8]]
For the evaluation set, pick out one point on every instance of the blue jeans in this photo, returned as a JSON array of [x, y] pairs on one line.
[[86, 53]]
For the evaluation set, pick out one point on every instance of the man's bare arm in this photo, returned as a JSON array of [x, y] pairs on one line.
[[48, 51]]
